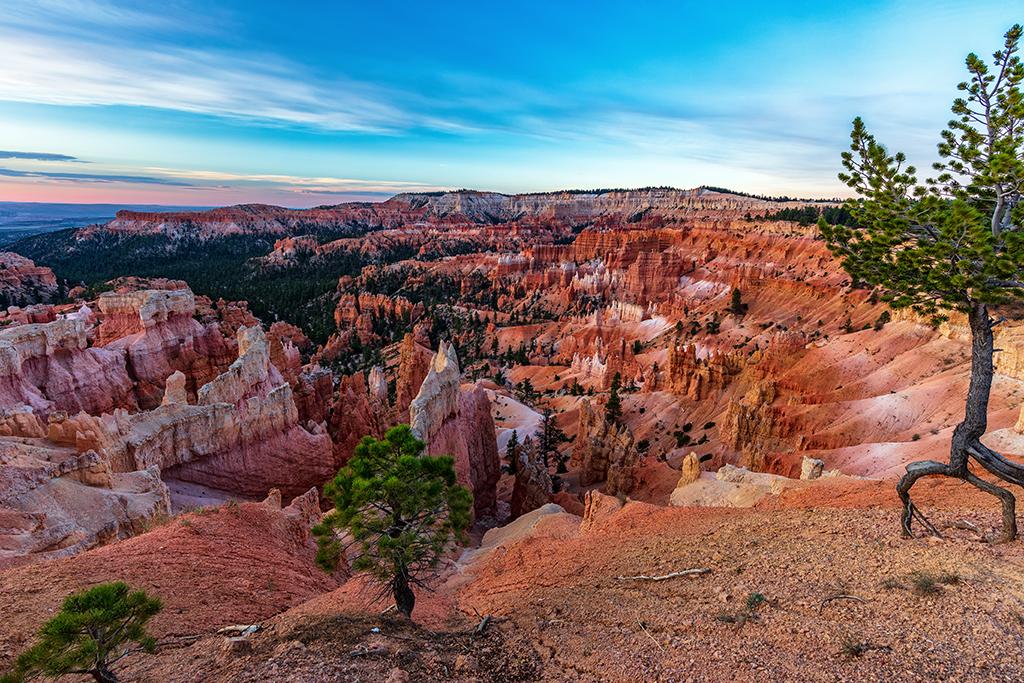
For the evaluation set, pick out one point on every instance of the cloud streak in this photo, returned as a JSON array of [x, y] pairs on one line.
[[93, 177], [37, 156]]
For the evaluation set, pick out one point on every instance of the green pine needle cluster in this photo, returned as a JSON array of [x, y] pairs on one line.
[[955, 240], [93, 630]]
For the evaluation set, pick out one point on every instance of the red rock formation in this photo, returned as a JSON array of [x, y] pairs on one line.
[[156, 330], [413, 364], [532, 487], [458, 423], [286, 342], [23, 283], [649, 207], [313, 393], [699, 379], [242, 435], [49, 366], [358, 412], [603, 452], [252, 437], [753, 426]]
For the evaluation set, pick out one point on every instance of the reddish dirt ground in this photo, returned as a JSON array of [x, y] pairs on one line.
[[212, 568], [921, 610]]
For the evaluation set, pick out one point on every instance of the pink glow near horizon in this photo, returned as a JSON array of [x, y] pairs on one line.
[[127, 193]]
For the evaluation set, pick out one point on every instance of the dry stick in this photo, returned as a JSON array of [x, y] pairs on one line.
[[686, 572], [644, 628], [482, 626], [841, 596]]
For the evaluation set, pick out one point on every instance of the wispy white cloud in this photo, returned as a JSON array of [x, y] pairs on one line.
[[307, 185], [50, 14], [41, 166], [63, 71]]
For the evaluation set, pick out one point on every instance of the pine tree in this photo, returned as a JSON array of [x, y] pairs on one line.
[[550, 438], [613, 408], [736, 302], [93, 631], [512, 452], [401, 510], [955, 243]]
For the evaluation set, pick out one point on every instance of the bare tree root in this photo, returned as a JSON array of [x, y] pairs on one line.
[[991, 461], [1009, 506], [915, 471]]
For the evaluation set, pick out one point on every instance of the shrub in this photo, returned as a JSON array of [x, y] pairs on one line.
[[93, 631]]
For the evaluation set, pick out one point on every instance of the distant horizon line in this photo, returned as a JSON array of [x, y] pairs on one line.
[[595, 191]]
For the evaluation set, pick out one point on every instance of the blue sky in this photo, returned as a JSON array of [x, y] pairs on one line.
[[208, 103]]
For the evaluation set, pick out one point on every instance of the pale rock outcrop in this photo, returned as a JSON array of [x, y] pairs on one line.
[[56, 502], [457, 422], [438, 395], [690, 470], [548, 521], [731, 487], [811, 468], [174, 392], [378, 385]]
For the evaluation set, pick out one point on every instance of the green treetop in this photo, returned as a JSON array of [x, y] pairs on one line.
[[401, 511]]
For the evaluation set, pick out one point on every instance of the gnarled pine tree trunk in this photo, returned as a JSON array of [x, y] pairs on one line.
[[101, 674], [405, 599], [966, 441]]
